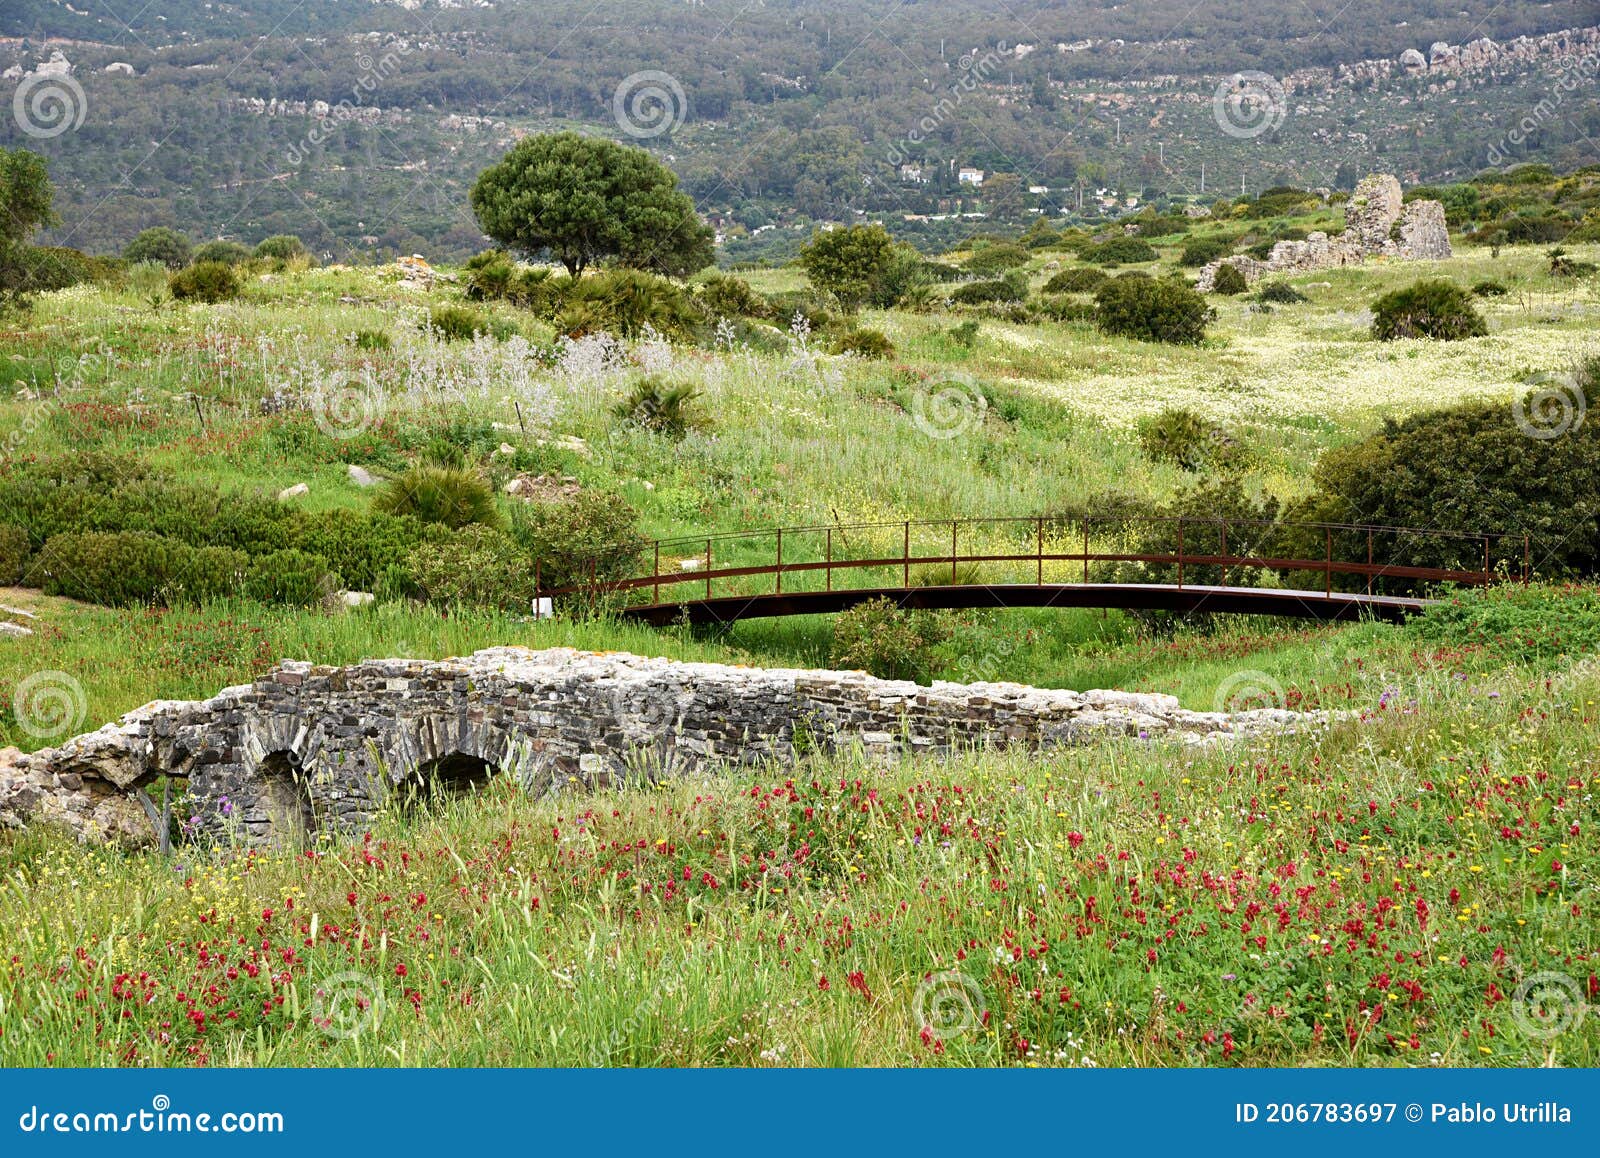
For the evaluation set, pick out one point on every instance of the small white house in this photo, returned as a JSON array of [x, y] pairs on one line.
[[969, 176]]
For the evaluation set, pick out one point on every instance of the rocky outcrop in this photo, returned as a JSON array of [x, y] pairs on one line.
[[1378, 222], [311, 748]]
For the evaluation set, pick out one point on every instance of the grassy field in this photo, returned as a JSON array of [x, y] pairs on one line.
[[1386, 892]]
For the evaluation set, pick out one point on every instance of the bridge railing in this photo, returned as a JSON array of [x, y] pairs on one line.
[[1040, 550]]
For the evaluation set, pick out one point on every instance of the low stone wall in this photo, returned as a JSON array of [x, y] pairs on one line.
[[308, 748]]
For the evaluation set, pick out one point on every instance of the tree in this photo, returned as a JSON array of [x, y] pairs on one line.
[[171, 248], [851, 263], [584, 200], [25, 198]]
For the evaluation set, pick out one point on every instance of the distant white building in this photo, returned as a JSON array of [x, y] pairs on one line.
[[912, 173], [1039, 190], [969, 176]]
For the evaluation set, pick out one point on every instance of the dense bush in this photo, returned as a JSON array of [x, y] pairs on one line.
[[291, 576], [1280, 293], [666, 408], [997, 257], [1007, 289], [1078, 280], [456, 323], [1428, 309], [359, 547], [475, 567], [1120, 251], [1515, 624], [1480, 467], [1489, 288], [14, 551], [1066, 308], [227, 252], [726, 296], [283, 247], [1184, 438], [451, 496], [595, 535], [864, 343], [1203, 250], [1136, 305], [879, 638], [1229, 280], [851, 263], [206, 281], [42, 268], [167, 246], [626, 302], [126, 568]]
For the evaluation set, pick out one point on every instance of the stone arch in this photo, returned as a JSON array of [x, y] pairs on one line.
[[445, 756], [282, 813]]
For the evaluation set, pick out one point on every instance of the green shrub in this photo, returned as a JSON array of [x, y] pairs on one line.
[[14, 551], [450, 496], [666, 408], [997, 257], [1280, 293], [1139, 306], [1203, 251], [1489, 288], [283, 247], [1121, 251], [979, 293], [292, 576], [475, 567], [1428, 309], [167, 246], [726, 296], [1563, 264], [881, 639], [1083, 279], [864, 343], [625, 302], [358, 547], [1480, 467], [456, 323], [966, 333], [1182, 437], [786, 304], [1066, 308], [1515, 624], [128, 568], [370, 340], [207, 281], [1229, 280], [42, 268], [226, 252], [593, 534]]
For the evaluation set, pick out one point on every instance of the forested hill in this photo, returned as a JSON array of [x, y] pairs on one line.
[[207, 116]]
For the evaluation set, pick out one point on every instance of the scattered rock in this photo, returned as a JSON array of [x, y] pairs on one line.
[[543, 488], [14, 629], [360, 476], [353, 599], [293, 492]]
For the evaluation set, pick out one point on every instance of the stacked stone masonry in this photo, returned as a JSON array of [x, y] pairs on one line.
[[323, 748]]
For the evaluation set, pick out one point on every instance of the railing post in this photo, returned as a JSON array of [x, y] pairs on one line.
[[1486, 568], [778, 575], [1369, 560], [539, 587], [708, 568], [655, 571], [1224, 552], [905, 554], [952, 552], [1086, 551], [1040, 580], [828, 560], [1180, 553], [1527, 558], [1327, 566]]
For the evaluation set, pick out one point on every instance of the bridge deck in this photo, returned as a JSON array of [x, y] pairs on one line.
[[1301, 604]]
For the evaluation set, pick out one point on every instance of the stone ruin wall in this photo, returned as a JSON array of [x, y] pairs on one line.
[[1378, 224], [310, 748]]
